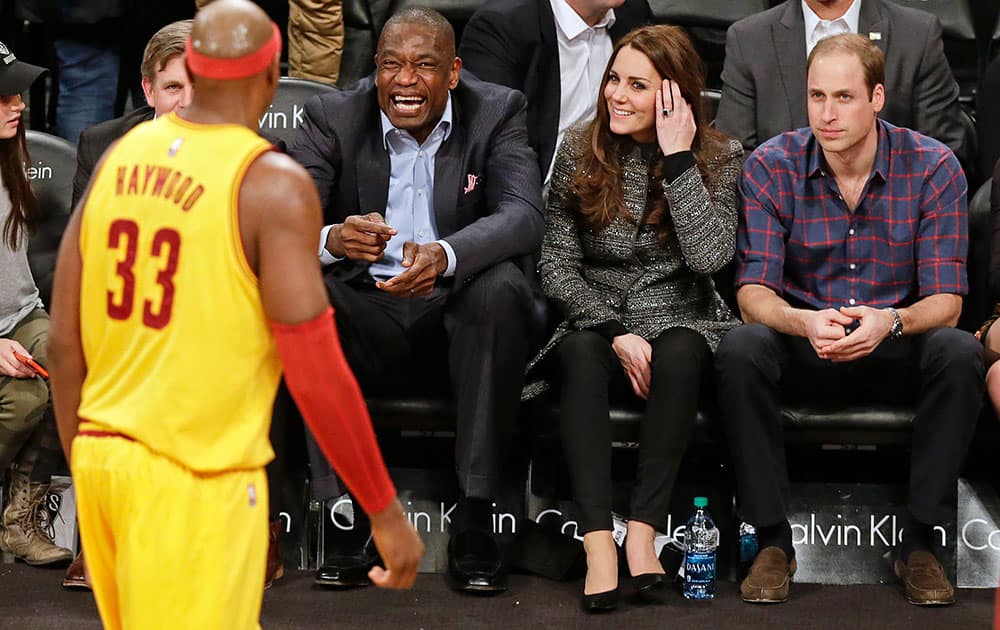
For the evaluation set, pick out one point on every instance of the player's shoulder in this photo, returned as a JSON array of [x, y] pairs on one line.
[[275, 178]]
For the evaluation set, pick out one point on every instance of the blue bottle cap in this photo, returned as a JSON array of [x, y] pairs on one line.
[[700, 502]]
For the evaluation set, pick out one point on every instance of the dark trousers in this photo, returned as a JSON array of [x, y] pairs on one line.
[[942, 370], [477, 337], [588, 368]]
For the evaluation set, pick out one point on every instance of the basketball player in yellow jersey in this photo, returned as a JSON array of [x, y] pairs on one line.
[[186, 272]]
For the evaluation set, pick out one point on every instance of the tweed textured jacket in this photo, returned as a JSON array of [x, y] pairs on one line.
[[623, 273]]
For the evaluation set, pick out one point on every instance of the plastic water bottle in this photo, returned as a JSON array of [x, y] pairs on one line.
[[701, 539]]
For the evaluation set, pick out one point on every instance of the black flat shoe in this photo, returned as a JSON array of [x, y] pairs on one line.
[[650, 586], [474, 563], [600, 602]]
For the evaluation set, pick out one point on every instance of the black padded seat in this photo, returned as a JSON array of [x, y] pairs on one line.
[[706, 21], [50, 169], [832, 423], [978, 304], [960, 44], [282, 118], [710, 104], [413, 413], [813, 423], [995, 38], [712, 13], [955, 15]]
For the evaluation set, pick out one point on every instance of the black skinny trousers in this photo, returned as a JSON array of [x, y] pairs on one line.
[[589, 372]]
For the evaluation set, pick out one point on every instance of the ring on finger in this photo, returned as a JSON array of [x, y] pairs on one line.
[[666, 111]]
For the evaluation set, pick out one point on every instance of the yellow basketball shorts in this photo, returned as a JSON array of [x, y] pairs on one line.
[[167, 547]]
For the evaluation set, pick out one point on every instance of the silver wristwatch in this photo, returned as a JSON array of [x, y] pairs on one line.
[[896, 330]]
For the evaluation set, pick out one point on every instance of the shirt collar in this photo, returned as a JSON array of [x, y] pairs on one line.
[[571, 24], [445, 124], [816, 165], [852, 17]]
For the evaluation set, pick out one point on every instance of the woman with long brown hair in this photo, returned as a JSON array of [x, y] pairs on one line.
[[28, 437], [642, 210]]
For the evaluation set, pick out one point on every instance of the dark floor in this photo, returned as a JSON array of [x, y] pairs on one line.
[[31, 598]]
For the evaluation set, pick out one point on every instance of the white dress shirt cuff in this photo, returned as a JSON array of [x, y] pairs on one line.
[[450, 253], [325, 257]]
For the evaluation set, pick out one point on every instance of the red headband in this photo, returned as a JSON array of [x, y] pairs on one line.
[[235, 67]]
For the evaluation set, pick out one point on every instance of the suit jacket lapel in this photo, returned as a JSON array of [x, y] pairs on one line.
[[547, 77], [371, 168], [448, 176], [871, 20], [790, 45]]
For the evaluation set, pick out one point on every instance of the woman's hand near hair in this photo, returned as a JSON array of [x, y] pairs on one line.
[[675, 132], [635, 354], [9, 365]]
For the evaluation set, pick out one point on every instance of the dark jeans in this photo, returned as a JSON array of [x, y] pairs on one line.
[[478, 335], [88, 77], [681, 368], [942, 370]]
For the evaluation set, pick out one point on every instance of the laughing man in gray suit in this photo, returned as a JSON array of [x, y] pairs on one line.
[[432, 204], [764, 76]]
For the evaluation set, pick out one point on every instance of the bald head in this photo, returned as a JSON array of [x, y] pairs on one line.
[[226, 29], [233, 59]]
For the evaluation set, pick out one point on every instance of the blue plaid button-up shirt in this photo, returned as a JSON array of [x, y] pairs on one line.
[[907, 239]]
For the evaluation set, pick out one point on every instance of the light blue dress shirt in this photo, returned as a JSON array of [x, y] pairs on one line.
[[410, 203]]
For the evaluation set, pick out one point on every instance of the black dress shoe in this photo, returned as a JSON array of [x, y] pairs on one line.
[[650, 586], [347, 570], [600, 602], [474, 563]]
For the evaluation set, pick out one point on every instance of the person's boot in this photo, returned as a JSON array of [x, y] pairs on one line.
[[23, 534], [274, 569]]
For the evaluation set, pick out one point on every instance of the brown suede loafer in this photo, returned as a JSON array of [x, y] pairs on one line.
[[769, 577], [924, 580]]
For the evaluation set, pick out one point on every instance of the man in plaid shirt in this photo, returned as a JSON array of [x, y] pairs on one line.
[[851, 251]]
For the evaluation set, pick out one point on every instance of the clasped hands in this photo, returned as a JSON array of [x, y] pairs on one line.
[[364, 237], [827, 332]]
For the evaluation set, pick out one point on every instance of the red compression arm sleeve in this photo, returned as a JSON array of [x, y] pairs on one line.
[[330, 401]]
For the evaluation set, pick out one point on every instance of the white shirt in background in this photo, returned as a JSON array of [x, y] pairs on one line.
[[817, 29], [583, 53]]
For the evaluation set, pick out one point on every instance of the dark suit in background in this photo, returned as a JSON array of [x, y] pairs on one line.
[[513, 43], [764, 76], [95, 140], [476, 325]]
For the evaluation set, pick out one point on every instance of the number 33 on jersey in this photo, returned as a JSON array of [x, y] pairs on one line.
[[170, 310]]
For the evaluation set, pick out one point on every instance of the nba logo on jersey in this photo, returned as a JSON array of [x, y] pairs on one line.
[[175, 147], [252, 493]]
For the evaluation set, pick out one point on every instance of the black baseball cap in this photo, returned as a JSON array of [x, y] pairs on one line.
[[16, 76]]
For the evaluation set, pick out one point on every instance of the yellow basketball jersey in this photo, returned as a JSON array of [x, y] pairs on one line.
[[179, 354]]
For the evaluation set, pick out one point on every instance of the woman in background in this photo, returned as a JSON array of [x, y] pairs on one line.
[[28, 437]]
